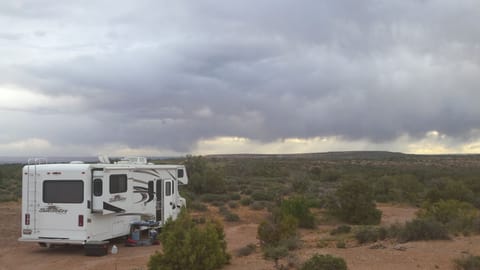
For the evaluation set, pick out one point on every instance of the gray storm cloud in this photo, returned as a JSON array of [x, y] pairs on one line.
[[169, 74]]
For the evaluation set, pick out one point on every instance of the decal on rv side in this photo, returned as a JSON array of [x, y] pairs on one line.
[[53, 209], [144, 193], [112, 208], [117, 198]]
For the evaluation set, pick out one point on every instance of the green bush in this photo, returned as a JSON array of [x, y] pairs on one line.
[[231, 217], [298, 208], [208, 197], [448, 189], [203, 178], [341, 230], [324, 262], [257, 206], [197, 206], [10, 182], [467, 263], [189, 246], [291, 243], [423, 229], [276, 229], [457, 216], [235, 196], [354, 204], [370, 234], [275, 252], [233, 204], [263, 196], [246, 201], [341, 244]]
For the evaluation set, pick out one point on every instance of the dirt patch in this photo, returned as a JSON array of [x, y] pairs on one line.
[[413, 255], [396, 213]]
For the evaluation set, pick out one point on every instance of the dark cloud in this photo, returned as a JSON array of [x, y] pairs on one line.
[[170, 74]]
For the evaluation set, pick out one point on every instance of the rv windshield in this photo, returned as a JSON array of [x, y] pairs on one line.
[[63, 191]]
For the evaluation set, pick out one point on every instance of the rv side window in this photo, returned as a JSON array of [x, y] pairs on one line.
[[180, 173], [97, 187], [168, 188], [118, 183], [63, 191]]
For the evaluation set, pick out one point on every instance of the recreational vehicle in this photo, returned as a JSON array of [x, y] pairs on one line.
[[88, 204]]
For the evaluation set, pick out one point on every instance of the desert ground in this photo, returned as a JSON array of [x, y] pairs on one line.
[[387, 255]]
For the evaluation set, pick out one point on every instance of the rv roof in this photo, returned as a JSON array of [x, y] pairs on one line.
[[69, 166]]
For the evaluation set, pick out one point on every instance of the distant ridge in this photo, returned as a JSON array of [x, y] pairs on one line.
[[372, 155]]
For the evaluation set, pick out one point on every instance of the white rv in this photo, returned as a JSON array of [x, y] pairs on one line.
[[84, 204]]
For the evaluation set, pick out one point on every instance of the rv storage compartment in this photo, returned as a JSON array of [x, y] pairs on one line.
[[96, 248]]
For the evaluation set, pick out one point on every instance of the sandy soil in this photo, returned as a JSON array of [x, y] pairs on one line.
[[417, 255]]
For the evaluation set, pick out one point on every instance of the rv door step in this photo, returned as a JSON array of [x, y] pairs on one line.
[[96, 248]]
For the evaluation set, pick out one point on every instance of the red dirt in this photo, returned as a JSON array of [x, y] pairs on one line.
[[418, 255]]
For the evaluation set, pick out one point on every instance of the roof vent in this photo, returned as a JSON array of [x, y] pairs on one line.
[[133, 160], [104, 159], [76, 162]]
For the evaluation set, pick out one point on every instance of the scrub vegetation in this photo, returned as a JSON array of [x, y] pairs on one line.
[[300, 192], [10, 182], [345, 188]]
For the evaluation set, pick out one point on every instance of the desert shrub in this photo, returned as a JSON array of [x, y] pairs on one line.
[[341, 230], [246, 201], [423, 229], [395, 230], [235, 196], [10, 182], [218, 203], [197, 206], [223, 210], [233, 204], [457, 216], [263, 196], [231, 217], [246, 250], [189, 246], [247, 191], [330, 176], [227, 215], [324, 262], [275, 253], [341, 244], [277, 228], [298, 208], [300, 185], [257, 206], [203, 178], [291, 243], [208, 197], [315, 202], [467, 263], [370, 234], [448, 189], [354, 204]]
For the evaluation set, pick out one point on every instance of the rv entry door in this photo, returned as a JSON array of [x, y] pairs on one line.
[[97, 191], [168, 202], [158, 196]]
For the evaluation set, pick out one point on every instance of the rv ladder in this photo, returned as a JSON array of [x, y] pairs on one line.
[[32, 188]]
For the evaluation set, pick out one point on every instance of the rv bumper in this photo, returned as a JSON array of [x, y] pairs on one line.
[[52, 241]]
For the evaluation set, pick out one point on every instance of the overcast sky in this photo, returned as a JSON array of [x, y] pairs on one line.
[[176, 77]]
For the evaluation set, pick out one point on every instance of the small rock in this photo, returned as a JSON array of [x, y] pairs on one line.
[[378, 246], [399, 248]]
